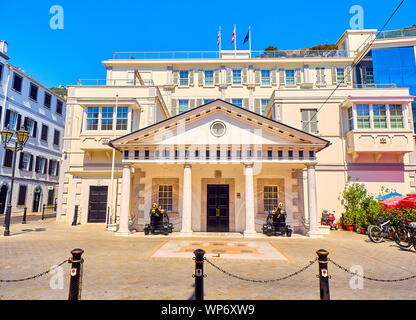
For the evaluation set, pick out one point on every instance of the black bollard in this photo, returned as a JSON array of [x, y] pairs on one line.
[[74, 221], [76, 276], [43, 211], [323, 274], [199, 274], [24, 216]]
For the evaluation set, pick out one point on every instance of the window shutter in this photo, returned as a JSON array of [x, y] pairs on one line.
[[297, 76], [174, 106], [334, 75], [217, 77], [191, 103], [228, 100], [200, 78], [257, 77], [35, 129], [229, 76], [282, 77], [318, 76], [22, 195], [257, 106], [244, 76], [191, 78], [198, 102], [25, 123], [21, 160], [347, 75], [45, 168], [245, 103], [57, 168], [50, 167], [274, 77], [176, 77], [37, 164], [19, 120], [305, 118], [31, 162], [1, 108], [7, 119]]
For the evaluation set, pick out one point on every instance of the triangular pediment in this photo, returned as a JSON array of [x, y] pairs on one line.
[[219, 122]]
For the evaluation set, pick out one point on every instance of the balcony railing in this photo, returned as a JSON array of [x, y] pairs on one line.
[[300, 53], [374, 85], [116, 82], [214, 158], [397, 34]]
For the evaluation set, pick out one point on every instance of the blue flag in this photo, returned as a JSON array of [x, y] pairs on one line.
[[247, 37]]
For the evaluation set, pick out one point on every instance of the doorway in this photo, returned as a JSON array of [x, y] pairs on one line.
[[3, 198], [218, 211], [97, 205], [37, 195]]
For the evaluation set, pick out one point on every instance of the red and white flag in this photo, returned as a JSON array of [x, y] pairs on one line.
[[219, 37], [232, 41]]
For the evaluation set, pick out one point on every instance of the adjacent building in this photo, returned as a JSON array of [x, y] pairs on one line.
[[26, 103], [220, 138]]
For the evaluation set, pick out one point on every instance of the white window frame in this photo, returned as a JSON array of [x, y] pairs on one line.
[[264, 83], [184, 81], [272, 200], [14, 122], [179, 105], [340, 75], [25, 161], [233, 101], [165, 197], [237, 80], [30, 128], [288, 79], [211, 84]]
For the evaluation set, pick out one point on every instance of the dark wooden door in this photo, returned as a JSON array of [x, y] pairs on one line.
[[97, 206], [218, 208], [36, 201], [3, 197]]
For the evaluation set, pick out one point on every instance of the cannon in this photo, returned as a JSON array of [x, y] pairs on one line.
[[276, 223], [159, 221]]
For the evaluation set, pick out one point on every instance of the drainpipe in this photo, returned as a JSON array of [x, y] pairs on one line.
[[343, 145], [112, 168], [6, 87]]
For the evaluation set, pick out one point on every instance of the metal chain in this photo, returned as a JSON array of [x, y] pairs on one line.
[[38, 275], [261, 281], [369, 278]]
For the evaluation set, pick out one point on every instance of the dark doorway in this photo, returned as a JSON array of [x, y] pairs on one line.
[[218, 208], [97, 206], [36, 199], [3, 197]]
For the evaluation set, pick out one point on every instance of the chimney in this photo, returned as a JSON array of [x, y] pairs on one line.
[[3, 49]]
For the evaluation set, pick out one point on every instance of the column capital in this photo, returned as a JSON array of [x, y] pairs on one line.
[[248, 164], [187, 165]]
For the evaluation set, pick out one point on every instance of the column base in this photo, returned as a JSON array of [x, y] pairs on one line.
[[249, 234], [186, 233], [316, 233]]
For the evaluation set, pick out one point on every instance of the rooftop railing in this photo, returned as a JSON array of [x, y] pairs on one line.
[[397, 34], [116, 82], [300, 53], [374, 85]]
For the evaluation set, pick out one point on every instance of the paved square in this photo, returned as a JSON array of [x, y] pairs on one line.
[[248, 250]]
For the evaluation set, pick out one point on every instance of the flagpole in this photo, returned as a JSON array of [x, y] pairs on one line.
[[220, 43], [249, 40], [235, 41]]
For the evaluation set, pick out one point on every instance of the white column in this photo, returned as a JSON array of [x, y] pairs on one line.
[[249, 201], [123, 228], [187, 200], [312, 203]]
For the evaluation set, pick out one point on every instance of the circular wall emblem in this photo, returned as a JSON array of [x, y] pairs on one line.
[[218, 128]]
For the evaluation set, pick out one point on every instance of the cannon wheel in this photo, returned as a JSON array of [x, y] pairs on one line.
[[289, 233]]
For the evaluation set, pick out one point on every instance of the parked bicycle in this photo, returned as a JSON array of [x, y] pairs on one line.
[[408, 236], [386, 230]]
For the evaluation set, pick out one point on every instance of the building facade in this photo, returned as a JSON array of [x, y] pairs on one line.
[[26, 103], [219, 139]]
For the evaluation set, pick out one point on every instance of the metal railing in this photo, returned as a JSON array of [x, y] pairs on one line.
[[214, 158], [300, 53], [374, 85], [116, 82], [397, 34]]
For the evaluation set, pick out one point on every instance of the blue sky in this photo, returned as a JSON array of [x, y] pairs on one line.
[[94, 30]]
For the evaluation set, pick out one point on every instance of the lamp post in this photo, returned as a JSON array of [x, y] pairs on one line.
[[21, 138]]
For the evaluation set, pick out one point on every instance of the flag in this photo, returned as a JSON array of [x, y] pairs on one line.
[[247, 37], [219, 37], [232, 41]]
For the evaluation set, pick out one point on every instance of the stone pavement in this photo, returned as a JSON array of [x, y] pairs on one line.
[[122, 267]]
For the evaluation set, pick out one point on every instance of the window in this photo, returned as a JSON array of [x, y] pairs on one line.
[[271, 199], [17, 82], [40, 165], [183, 105], [8, 158], [237, 102], [269, 154], [264, 103], [309, 120], [290, 77], [396, 116], [92, 118], [107, 118], [53, 166], [59, 107], [320, 76], [209, 78], [12, 120], [280, 154], [183, 78], [350, 119], [47, 100], [30, 126], [126, 154], [363, 116], [56, 137], [1, 71], [21, 200], [311, 154], [33, 92], [44, 134], [368, 76], [265, 77], [122, 117], [340, 75], [290, 154], [165, 197], [237, 77], [300, 154], [136, 154], [25, 161], [51, 193], [380, 116], [207, 101]]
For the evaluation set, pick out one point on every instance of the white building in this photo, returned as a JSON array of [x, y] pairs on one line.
[[25, 103]]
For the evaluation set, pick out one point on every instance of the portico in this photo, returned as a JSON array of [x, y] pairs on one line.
[[218, 167]]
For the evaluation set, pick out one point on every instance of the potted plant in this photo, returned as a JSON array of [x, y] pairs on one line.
[[348, 222]]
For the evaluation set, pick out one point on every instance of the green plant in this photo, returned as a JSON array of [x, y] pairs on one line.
[[352, 198]]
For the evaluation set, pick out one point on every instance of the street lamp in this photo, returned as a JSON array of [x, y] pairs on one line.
[[21, 138]]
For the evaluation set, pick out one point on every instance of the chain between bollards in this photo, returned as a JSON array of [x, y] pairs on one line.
[[76, 274], [323, 274], [199, 274]]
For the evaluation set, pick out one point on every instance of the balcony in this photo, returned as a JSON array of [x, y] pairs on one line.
[[377, 141], [397, 34]]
